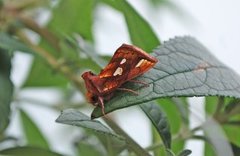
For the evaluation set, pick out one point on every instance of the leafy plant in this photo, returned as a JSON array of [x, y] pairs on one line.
[[67, 48]]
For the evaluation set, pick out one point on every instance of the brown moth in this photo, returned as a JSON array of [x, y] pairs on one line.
[[127, 63]]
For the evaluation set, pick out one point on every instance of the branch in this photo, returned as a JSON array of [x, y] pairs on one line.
[[130, 142], [53, 62], [43, 32]]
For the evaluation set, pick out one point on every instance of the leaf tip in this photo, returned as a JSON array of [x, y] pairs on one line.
[[58, 120], [93, 116]]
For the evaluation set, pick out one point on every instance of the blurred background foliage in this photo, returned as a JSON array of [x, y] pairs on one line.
[[62, 46]]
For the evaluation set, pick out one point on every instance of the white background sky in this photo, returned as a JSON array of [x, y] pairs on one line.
[[215, 23]]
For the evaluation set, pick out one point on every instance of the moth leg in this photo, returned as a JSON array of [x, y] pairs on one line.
[[100, 99], [128, 90], [140, 82]]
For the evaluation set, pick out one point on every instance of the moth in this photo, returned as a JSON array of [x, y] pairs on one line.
[[127, 63]]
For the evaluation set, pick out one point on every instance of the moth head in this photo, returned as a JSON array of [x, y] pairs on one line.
[[88, 79], [87, 75], [93, 82], [91, 88]]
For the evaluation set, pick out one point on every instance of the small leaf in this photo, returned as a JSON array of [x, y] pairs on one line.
[[26, 150], [182, 106], [88, 50], [210, 104], [209, 149], [50, 78], [33, 134], [76, 118], [233, 107], [6, 89], [232, 133], [159, 120], [174, 119], [185, 68], [78, 18], [9, 43], [138, 27], [185, 152], [169, 152], [84, 148]]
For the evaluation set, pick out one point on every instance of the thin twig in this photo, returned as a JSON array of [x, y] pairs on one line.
[[220, 105], [132, 145]]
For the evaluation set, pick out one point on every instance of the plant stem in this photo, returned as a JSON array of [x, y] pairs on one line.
[[131, 144], [233, 123], [52, 61], [43, 32], [56, 106], [220, 105], [160, 144], [182, 134]]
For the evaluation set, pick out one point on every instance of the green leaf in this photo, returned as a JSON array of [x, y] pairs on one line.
[[185, 152], [233, 108], [236, 149], [78, 18], [211, 104], [32, 132], [88, 50], [140, 31], [112, 142], [6, 89], [175, 120], [156, 139], [84, 148], [182, 105], [170, 152], [76, 118], [158, 2], [232, 133], [10, 43], [185, 68], [50, 78], [113, 145], [159, 120], [208, 150], [28, 151]]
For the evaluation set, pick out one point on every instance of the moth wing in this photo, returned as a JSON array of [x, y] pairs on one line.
[[127, 63], [142, 66], [119, 65]]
